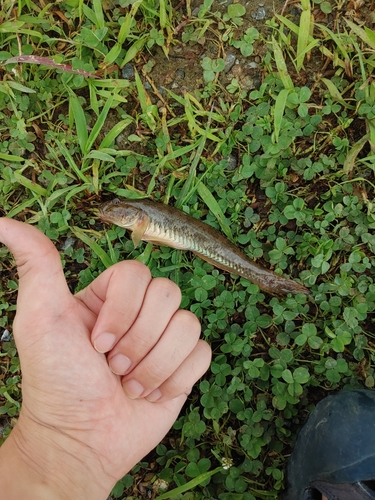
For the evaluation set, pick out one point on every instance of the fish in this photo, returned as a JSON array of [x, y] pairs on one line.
[[164, 225]]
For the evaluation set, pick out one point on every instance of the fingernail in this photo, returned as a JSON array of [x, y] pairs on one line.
[[154, 396], [133, 388], [105, 342], [120, 364]]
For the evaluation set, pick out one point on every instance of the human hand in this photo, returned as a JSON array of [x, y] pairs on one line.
[[82, 427]]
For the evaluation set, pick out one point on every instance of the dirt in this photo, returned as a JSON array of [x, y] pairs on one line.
[[181, 71]]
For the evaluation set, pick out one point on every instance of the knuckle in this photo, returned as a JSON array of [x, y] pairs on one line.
[[156, 372], [141, 271], [188, 321], [166, 289], [138, 341], [205, 351]]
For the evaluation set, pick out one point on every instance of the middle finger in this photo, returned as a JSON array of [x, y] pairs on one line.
[[162, 300]]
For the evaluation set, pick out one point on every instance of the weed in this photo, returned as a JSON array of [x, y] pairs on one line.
[[285, 169]]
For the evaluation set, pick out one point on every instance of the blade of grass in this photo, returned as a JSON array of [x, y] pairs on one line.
[[149, 110], [303, 33], [144, 257], [112, 254], [133, 50], [335, 93], [100, 155], [367, 36], [214, 207], [19, 208], [193, 124], [93, 98], [66, 193], [169, 158], [72, 164], [281, 66], [21, 88], [50, 63], [28, 184], [11, 158], [97, 250], [353, 153], [279, 112], [99, 15], [189, 485], [185, 191], [98, 126], [113, 54], [126, 25], [162, 14], [336, 38], [77, 114]]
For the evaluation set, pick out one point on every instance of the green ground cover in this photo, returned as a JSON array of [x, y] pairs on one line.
[[299, 200]]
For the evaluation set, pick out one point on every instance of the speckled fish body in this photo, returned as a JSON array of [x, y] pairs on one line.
[[167, 226]]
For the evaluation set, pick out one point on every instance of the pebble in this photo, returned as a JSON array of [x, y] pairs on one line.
[[179, 74], [69, 242], [229, 62], [231, 162], [247, 83], [260, 14], [6, 336], [251, 65], [225, 3], [127, 71]]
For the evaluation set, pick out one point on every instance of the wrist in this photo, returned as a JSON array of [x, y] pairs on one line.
[[47, 464]]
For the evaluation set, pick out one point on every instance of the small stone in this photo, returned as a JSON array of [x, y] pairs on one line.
[[179, 74], [6, 336], [160, 485], [229, 62], [247, 83], [69, 242], [260, 14], [231, 162], [127, 71]]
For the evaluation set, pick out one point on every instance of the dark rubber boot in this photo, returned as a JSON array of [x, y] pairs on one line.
[[335, 450]]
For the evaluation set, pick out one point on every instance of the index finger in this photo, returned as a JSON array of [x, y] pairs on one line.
[[116, 297]]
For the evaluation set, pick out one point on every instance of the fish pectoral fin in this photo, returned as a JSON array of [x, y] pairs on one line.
[[139, 231]]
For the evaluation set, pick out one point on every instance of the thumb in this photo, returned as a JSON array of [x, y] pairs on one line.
[[41, 279]]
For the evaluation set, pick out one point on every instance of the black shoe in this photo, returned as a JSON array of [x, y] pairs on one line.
[[335, 450]]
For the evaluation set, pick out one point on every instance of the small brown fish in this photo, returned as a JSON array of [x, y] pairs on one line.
[[168, 226]]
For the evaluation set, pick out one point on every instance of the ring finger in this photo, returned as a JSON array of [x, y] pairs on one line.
[[175, 345]]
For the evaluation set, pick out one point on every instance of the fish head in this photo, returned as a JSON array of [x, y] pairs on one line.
[[121, 213]]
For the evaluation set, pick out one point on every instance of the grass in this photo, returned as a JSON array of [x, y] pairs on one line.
[[300, 199]]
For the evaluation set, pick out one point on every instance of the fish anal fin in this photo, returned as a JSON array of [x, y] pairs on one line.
[[215, 263]]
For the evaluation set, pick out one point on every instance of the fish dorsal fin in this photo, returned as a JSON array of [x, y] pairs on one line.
[[139, 231]]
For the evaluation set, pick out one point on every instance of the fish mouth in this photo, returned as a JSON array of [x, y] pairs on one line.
[[104, 208], [102, 215]]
